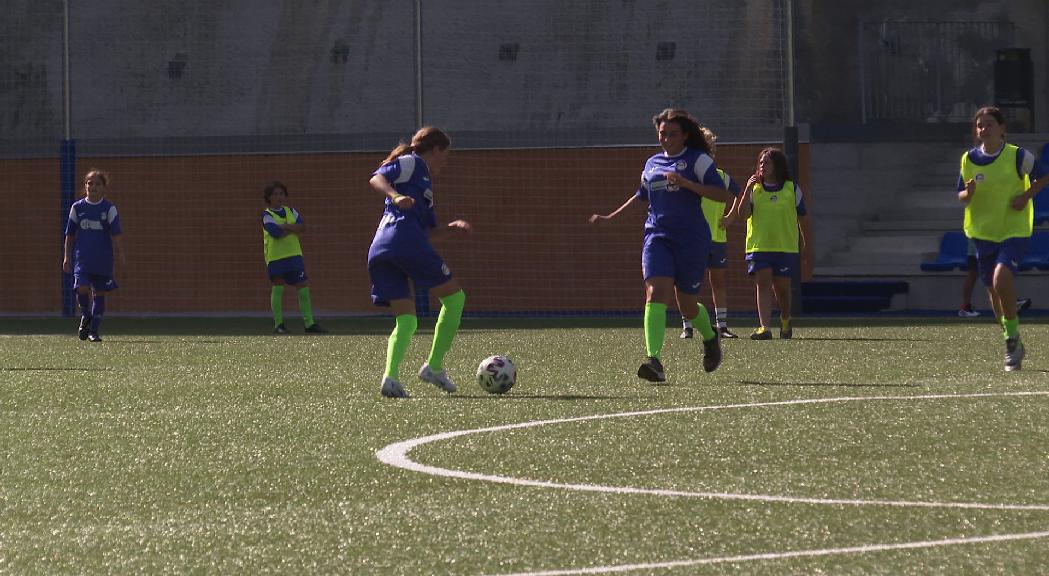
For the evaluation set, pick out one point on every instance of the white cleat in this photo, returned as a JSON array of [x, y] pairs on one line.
[[392, 388], [1014, 354], [439, 379]]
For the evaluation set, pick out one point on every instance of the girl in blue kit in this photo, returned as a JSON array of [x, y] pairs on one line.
[[401, 259], [677, 238], [92, 240]]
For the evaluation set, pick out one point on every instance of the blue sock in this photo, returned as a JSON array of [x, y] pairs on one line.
[[84, 300], [98, 308]]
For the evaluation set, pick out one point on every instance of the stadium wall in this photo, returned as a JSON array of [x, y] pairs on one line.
[[192, 230]]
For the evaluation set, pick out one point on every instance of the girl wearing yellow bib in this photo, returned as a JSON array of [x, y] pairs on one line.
[[281, 226], [777, 230], [995, 186]]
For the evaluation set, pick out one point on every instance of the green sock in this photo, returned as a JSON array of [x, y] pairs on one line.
[[305, 306], [276, 294], [397, 346], [656, 328], [445, 329], [702, 323], [1012, 327], [1005, 331]]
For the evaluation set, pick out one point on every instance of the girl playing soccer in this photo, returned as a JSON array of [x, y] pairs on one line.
[[774, 208], [401, 259], [675, 183], [995, 186], [92, 240]]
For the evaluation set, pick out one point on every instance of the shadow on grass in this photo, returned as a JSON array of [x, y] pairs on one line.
[[507, 397], [827, 384], [861, 339]]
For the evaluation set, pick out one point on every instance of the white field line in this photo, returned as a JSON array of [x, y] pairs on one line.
[[396, 454]]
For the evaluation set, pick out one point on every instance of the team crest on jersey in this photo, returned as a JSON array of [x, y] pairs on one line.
[[681, 165], [979, 177], [773, 198]]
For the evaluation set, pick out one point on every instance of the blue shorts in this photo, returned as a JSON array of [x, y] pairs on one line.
[[1008, 253], [292, 270], [685, 263], [100, 282], [393, 272], [718, 255], [782, 263]]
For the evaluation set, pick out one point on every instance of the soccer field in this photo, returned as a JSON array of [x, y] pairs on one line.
[[209, 446]]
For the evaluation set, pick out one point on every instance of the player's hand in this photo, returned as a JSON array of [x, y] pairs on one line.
[[726, 221], [66, 266], [404, 202], [461, 224], [597, 217], [1020, 202], [674, 178]]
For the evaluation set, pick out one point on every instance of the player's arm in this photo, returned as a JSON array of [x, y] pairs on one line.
[[67, 262], [717, 193], [379, 183], [118, 250], [804, 236], [966, 190], [744, 205], [442, 233], [298, 227], [1039, 175], [597, 217]]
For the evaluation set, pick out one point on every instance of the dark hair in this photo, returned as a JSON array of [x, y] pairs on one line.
[[779, 164], [991, 111], [693, 134], [96, 172], [426, 139], [271, 188]]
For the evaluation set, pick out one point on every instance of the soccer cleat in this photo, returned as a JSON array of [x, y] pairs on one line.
[[652, 370], [712, 353], [93, 337], [724, 332], [786, 333], [1014, 354], [686, 332], [1023, 304], [280, 329], [315, 329], [761, 333], [85, 327], [439, 379], [392, 388], [967, 312]]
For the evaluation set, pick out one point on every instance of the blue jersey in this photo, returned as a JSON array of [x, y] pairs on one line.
[[1026, 164], [410, 176], [673, 211], [94, 226]]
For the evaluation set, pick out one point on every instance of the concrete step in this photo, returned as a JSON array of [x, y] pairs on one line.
[[925, 214], [906, 226], [863, 259], [861, 271], [904, 243]]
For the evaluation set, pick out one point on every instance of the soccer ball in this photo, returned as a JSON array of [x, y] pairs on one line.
[[496, 374]]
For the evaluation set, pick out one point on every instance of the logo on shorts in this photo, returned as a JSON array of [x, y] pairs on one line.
[[696, 285], [784, 269], [445, 270]]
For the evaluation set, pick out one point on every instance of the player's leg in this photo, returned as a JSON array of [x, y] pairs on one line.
[[453, 301], [971, 275], [763, 300], [658, 290], [390, 287], [83, 299], [686, 323], [781, 285], [277, 304], [302, 290], [719, 294], [100, 286]]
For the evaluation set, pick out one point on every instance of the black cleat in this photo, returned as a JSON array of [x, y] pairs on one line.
[[1022, 304], [762, 333], [786, 333], [724, 332], [652, 370], [1014, 354], [85, 327], [712, 353], [93, 337], [280, 329], [686, 332], [315, 329]]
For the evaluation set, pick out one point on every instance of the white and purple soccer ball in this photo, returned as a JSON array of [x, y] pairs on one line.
[[496, 374]]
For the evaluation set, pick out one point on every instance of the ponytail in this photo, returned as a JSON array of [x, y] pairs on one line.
[[426, 139]]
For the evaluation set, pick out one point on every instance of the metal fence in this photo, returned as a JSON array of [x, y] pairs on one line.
[[928, 71]]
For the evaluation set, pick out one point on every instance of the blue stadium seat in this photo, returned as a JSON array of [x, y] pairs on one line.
[[1038, 252], [954, 253]]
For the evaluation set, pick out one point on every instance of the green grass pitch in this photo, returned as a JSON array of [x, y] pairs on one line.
[[210, 446]]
